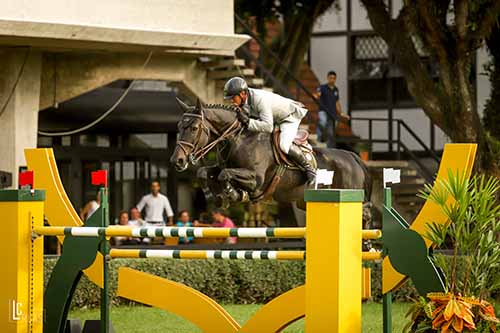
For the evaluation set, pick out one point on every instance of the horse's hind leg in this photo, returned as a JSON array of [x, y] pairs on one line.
[[237, 183]]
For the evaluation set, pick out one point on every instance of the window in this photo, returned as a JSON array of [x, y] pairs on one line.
[[374, 80]]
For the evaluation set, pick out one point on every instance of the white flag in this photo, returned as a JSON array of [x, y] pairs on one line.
[[392, 176], [323, 176]]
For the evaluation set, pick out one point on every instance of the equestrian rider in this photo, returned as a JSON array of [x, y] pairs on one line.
[[264, 110]]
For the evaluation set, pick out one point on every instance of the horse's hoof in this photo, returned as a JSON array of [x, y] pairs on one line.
[[244, 196]]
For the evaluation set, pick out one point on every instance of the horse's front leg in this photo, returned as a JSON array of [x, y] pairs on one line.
[[210, 186], [237, 183]]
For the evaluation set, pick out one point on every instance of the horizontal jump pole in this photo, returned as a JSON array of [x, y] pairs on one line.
[[371, 256], [209, 254], [170, 232], [372, 234], [223, 254]]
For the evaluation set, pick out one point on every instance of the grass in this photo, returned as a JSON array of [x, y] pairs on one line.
[[142, 319]]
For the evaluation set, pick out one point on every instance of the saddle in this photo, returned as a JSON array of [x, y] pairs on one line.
[[283, 162], [301, 140]]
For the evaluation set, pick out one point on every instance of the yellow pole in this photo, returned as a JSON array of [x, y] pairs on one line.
[[333, 260], [21, 290]]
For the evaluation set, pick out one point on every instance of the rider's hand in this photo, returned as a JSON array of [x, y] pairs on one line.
[[345, 117], [243, 118]]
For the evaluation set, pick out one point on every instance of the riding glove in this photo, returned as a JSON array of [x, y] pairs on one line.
[[243, 118]]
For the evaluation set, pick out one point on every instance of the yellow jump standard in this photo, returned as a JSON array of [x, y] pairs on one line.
[[333, 262]]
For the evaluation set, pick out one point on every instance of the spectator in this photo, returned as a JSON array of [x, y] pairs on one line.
[[91, 207], [183, 220], [155, 204], [135, 218], [220, 220], [330, 110], [123, 220]]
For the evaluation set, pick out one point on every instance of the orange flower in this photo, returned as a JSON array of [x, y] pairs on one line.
[[451, 311]]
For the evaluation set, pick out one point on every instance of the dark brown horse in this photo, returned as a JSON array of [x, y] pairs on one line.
[[246, 164]]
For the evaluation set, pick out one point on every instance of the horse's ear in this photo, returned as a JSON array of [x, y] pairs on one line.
[[182, 105], [199, 105]]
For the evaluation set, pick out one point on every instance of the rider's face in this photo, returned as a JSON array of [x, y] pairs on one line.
[[240, 99]]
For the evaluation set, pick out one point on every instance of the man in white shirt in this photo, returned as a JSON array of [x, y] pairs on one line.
[[155, 204]]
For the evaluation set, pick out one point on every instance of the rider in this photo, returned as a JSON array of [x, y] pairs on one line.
[[268, 110]]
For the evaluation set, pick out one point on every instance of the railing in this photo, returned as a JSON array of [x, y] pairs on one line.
[[401, 147]]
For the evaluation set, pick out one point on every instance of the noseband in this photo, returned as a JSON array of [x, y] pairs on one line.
[[198, 152]]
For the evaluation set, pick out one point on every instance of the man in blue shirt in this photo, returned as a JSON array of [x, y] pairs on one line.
[[330, 110]]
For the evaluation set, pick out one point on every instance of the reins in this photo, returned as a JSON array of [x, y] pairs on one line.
[[197, 153]]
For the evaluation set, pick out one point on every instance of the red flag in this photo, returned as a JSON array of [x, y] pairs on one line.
[[100, 177], [26, 178]]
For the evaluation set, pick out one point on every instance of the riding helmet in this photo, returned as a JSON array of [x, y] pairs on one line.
[[234, 86]]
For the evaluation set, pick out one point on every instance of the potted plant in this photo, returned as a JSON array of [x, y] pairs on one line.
[[363, 149], [472, 269]]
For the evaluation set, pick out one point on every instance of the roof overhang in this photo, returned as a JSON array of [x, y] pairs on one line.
[[67, 36]]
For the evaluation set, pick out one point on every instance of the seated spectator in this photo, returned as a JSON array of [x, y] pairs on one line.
[[220, 220], [122, 221], [183, 220], [135, 218]]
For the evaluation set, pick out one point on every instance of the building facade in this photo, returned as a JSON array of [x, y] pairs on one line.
[[370, 84]]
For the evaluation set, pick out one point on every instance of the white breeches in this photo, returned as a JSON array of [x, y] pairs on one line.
[[288, 128]]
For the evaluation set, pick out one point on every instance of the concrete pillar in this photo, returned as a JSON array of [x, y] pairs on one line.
[[19, 121]]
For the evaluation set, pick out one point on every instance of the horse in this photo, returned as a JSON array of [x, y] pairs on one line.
[[247, 168]]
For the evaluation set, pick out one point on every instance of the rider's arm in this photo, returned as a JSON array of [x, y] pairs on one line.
[[265, 121]]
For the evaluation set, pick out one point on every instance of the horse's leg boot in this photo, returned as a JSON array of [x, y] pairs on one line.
[[298, 156]]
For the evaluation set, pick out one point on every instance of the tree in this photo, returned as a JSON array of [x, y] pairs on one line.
[[492, 108], [297, 18], [451, 32]]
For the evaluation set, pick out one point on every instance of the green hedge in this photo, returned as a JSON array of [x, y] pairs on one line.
[[226, 281]]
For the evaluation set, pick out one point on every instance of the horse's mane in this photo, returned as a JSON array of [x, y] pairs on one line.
[[219, 106]]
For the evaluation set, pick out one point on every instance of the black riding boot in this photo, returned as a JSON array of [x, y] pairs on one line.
[[298, 156]]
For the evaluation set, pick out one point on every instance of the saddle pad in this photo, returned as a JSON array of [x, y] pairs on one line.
[[301, 141]]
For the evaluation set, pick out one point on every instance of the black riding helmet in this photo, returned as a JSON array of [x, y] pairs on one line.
[[234, 86]]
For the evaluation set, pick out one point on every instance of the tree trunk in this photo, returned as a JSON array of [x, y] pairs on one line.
[[295, 46], [492, 109], [297, 30]]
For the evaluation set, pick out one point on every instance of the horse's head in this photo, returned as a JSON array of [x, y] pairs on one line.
[[193, 134]]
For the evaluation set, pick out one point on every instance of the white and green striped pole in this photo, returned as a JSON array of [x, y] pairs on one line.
[[170, 232], [208, 254]]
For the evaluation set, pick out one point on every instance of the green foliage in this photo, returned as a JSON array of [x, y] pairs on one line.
[[228, 282], [474, 217]]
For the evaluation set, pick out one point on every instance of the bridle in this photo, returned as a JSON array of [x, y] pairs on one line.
[[197, 152]]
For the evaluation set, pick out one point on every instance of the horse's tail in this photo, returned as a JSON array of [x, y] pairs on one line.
[[368, 177]]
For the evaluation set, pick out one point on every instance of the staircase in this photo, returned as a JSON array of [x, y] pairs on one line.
[[404, 194], [222, 69]]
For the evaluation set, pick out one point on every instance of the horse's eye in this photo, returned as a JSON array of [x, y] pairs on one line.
[[195, 128]]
